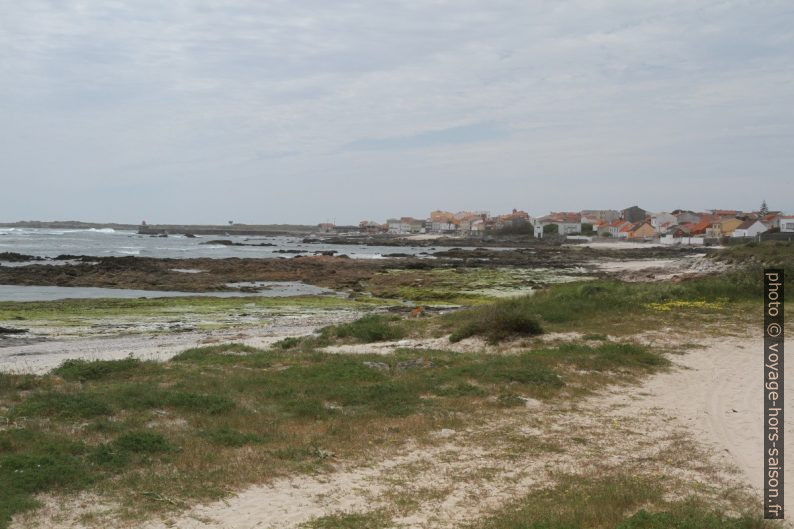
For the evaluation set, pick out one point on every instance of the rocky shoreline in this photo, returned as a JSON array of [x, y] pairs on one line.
[[337, 272]]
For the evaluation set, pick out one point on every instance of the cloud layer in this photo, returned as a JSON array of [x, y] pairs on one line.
[[304, 111]]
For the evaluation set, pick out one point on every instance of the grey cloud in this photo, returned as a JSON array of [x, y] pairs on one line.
[[309, 104]]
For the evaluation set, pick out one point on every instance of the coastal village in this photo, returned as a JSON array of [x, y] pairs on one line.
[[632, 223]]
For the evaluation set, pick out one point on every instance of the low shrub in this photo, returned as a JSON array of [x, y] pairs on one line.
[[83, 370], [372, 328], [63, 405], [223, 353], [497, 321]]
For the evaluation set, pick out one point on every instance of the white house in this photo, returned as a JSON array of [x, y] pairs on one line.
[[442, 226], [394, 225], [567, 223], [750, 228], [613, 229], [662, 219], [787, 223]]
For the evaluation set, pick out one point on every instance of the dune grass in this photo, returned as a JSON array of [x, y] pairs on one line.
[[612, 501], [371, 328], [596, 307], [498, 321], [218, 417], [609, 306], [771, 253]]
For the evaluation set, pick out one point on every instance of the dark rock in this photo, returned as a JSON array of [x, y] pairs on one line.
[[381, 366], [14, 257], [227, 242], [415, 364], [418, 265], [7, 330]]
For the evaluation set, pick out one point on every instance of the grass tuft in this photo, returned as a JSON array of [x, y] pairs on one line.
[[230, 437], [372, 328], [139, 442], [619, 501], [83, 370], [496, 321], [369, 520]]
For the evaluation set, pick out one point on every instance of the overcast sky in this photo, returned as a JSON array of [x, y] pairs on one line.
[[305, 111]]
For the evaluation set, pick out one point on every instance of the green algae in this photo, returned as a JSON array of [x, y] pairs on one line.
[[74, 310], [465, 286]]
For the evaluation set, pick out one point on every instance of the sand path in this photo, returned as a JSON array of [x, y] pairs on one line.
[[718, 394]]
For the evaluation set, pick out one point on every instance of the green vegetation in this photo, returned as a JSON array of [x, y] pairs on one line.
[[620, 501], [770, 253], [372, 328], [223, 416], [97, 308], [517, 228], [94, 370], [496, 322], [370, 520], [460, 286], [607, 306], [215, 418]]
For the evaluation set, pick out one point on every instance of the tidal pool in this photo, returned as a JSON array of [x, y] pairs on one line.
[[50, 293]]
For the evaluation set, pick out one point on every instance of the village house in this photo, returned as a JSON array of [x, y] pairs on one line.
[[393, 225], [516, 218], [411, 225], [567, 223], [642, 230], [724, 227], [662, 221], [478, 226], [593, 216], [686, 217], [750, 228], [772, 220], [787, 224], [700, 227], [597, 225], [633, 214], [405, 226], [613, 229], [371, 227], [679, 230], [442, 222], [468, 221]]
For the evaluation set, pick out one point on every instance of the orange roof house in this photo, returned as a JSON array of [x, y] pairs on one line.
[[728, 225], [641, 230]]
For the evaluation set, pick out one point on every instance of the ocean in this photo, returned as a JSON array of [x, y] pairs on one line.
[[50, 243], [109, 242]]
